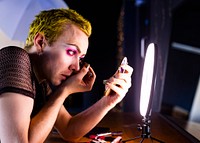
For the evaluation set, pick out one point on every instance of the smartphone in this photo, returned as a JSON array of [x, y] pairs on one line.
[[121, 70]]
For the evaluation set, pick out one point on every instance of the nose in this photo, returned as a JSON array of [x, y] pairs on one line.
[[75, 65]]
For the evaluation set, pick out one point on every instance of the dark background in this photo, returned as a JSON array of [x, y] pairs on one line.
[[183, 67], [162, 22]]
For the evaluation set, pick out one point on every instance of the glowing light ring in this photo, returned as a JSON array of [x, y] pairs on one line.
[[147, 78]]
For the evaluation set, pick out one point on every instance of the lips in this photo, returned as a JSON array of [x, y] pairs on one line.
[[65, 75], [62, 77]]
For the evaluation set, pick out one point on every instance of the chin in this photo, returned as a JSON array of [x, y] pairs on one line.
[[56, 83]]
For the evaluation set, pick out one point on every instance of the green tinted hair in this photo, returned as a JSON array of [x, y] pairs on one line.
[[51, 23]]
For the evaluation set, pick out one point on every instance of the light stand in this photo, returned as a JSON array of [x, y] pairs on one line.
[[146, 94], [146, 131]]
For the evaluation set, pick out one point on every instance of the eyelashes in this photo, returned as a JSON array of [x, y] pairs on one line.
[[81, 62]]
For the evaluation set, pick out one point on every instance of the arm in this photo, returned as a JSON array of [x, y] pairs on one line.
[[14, 117], [15, 122], [15, 110], [73, 128]]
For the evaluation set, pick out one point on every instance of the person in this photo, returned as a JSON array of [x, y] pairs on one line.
[[36, 80]]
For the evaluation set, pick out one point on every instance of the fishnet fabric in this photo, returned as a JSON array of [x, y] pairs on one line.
[[15, 71]]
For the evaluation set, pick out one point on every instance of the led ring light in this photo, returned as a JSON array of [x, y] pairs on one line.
[[146, 93]]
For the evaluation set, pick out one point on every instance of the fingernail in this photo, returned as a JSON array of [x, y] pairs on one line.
[[105, 81], [87, 65]]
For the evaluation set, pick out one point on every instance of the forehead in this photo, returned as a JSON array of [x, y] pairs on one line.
[[74, 36]]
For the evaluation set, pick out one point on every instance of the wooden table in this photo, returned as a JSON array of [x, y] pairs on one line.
[[161, 129]]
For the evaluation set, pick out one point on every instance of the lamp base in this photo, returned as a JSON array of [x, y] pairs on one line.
[[142, 139], [145, 128]]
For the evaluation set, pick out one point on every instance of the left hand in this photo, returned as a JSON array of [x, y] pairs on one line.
[[119, 84]]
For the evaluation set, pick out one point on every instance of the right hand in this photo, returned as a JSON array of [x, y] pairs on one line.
[[81, 81]]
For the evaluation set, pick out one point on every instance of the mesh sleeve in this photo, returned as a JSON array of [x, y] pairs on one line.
[[15, 71]]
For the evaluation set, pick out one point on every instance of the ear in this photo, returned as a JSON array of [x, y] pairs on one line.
[[39, 40]]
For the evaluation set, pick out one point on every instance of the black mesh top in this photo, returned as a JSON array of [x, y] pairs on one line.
[[16, 75]]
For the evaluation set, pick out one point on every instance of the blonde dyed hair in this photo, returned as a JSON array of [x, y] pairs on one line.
[[51, 23]]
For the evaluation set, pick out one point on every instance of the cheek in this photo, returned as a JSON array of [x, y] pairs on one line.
[[55, 60], [64, 60]]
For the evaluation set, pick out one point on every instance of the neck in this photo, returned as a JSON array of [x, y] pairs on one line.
[[37, 66]]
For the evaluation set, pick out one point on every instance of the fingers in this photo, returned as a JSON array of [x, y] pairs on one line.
[[119, 86], [119, 82], [87, 73], [127, 69], [87, 77], [119, 77], [81, 81]]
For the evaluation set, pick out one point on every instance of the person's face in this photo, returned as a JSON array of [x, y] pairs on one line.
[[62, 58]]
